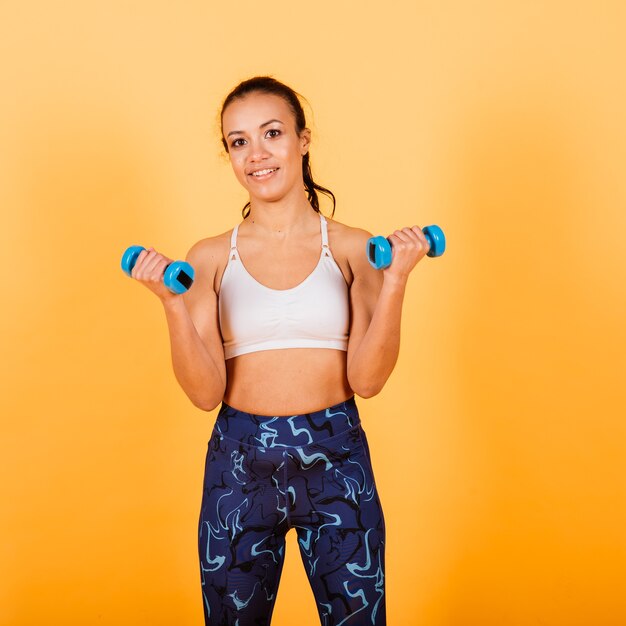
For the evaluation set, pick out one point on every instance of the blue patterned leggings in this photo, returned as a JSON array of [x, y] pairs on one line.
[[265, 475]]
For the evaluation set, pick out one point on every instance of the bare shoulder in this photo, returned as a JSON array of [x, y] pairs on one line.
[[350, 243], [209, 256], [209, 248]]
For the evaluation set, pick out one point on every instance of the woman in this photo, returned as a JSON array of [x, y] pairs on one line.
[[285, 322]]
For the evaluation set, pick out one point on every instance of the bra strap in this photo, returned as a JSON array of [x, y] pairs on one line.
[[233, 254], [325, 246]]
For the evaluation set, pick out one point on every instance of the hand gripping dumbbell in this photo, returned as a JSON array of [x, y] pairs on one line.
[[379, 248], [177, 277]]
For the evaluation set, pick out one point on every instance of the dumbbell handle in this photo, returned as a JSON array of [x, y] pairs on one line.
[[379, 249]]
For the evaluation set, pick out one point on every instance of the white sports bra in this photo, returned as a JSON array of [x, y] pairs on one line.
[[313, 314]]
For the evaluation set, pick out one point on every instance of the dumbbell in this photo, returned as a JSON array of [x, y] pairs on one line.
[[177, 277], [379, 249]]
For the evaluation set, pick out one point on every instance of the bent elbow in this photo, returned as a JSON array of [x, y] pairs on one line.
[[363, 394], [208, 395], [207, 404], [367, 392], [208, 401], [365, 389]]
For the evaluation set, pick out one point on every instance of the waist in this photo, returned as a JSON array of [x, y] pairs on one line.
[[281, 382], [271, 431]]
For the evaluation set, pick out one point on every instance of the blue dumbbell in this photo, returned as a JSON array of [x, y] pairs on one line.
[[379, 248], [178, 275]]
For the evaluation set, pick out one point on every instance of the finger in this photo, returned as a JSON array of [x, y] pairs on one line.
[[153, 263], [419, 234], [411, 239], [156, 273], [148, 264], [414, 234], [153, 260], [139, 263], [402, 236]]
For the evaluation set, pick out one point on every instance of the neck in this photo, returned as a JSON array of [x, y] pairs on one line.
[[281, 218]]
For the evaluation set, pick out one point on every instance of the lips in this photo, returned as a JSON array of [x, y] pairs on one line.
[[267, 172]]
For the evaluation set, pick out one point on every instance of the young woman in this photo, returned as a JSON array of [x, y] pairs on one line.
[[285, 322]]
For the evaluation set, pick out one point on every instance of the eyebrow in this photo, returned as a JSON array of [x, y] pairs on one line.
[[234, 132]]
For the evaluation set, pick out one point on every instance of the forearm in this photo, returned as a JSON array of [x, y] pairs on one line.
[[201, 375], [376, 356]]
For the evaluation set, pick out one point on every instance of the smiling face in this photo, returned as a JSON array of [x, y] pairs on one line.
[[260, 132]]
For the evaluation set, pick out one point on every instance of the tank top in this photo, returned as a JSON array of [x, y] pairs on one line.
[[313, 314]]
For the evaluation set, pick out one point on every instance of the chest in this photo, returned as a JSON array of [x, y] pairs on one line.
[[282, 267]]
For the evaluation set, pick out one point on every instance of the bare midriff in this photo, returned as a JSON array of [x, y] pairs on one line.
[[287, 381]]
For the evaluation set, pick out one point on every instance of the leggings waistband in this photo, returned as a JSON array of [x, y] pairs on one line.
[[265, 431]]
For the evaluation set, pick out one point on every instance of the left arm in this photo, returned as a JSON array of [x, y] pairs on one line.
[[376, 299]]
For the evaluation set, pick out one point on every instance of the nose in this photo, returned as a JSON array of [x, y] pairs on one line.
[[258, 151]]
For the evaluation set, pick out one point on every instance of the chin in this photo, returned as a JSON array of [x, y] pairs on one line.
[[268, 195]]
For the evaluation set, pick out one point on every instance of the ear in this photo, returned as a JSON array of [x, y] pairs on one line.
[[305, 140]]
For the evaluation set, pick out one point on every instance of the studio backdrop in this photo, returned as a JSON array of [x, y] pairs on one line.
[[497, 443]]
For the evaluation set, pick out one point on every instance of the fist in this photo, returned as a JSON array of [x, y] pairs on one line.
[[149, 269], [408, 247]]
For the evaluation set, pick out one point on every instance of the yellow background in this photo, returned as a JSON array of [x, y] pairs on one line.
[[498, 442]]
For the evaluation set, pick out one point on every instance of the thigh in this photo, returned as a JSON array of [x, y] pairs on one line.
[[341, 529], [241, 533]]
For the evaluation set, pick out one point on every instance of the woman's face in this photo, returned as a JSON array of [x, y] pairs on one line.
[[260, 133]]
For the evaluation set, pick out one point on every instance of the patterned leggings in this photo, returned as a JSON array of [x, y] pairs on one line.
[[265, 475]]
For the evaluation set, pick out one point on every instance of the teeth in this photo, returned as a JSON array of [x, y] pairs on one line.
[[262, 172]]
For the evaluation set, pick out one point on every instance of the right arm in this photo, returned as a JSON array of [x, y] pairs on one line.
[[193, 323]]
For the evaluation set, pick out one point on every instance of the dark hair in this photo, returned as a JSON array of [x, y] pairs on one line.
[[267, 84]]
